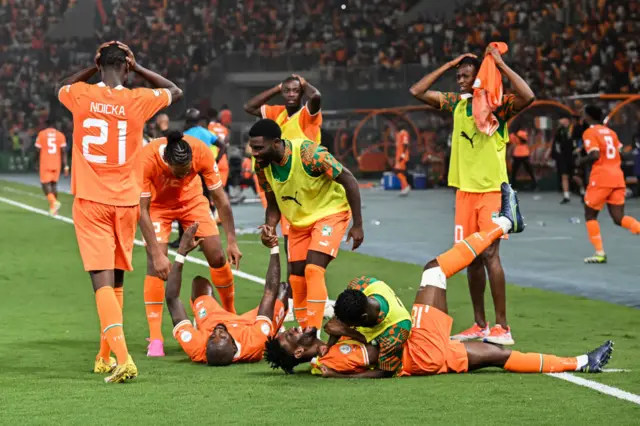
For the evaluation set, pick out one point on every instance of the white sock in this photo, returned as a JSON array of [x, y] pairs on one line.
[[582, 361], [567, 195], [434, 277], [503, 223]]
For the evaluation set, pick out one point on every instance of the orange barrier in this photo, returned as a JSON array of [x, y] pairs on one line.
[[621, 105]]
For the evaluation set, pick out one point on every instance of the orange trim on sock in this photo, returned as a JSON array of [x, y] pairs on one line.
[[593, 229], [317, 294], [519, 362], [299, 294], [222, 279]]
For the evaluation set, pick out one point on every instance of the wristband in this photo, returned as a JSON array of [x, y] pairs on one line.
[[179, 258], [275, 250]]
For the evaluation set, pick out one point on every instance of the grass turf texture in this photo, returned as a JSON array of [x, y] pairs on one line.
[[50, 336]]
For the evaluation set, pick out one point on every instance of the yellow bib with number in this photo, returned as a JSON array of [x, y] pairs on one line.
[[305, 199], [397, 311], [478, 161]]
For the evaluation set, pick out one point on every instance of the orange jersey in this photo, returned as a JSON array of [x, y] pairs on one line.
[[167, 191], [107, 136], [301, 125], [607, 171], [402, 146], [219, 130], [346, 356], [51, 143], [250, 335]]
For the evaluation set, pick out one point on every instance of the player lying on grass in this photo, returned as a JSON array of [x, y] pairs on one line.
[[429, 349], [221, 337]]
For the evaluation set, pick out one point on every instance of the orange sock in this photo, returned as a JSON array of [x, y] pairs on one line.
[[464, 252], [110, 315], [105, 350], [403, 180], [222, 279], [520, 362], [631, 224], [316, 294], [299, 291], [153, 305], [593, 229], [52, 200]]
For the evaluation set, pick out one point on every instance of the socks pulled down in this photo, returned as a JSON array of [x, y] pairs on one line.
[[299, 294], [222, 279], [153, 305], [316, 294]]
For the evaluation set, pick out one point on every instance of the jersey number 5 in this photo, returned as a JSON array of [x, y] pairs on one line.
[[611, 148], [52, 148], [102, 139]]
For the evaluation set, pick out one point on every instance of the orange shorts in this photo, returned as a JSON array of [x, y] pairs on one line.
[[430, 349], [475, 212], [285, 226], [49, 175], [597, 196], [196, 210], [323, 236], [209, 313], [105, 234]]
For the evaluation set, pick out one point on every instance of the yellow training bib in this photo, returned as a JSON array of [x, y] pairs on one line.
[[305, 199], [397, 311], [290, 126], [478, 162]]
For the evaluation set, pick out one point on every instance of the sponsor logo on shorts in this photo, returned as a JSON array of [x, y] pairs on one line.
[[326, 231], [265, 328], [345, 349], [185, 336], [202, 313]]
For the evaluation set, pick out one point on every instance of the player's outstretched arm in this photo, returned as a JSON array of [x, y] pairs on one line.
[[222, 149], [159, 259], [369, 374], [221, 201], [351, 187], [314, 98], [174, 283], [254, 104], [272, 284], [83, 75], [421, 91], [524, 94]]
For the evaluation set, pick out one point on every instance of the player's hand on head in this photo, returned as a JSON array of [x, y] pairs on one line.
[[131, 59], [189, 240], [162, 266], [303, 82], [356, 233], [234, 254], [98, 52], [268, 236], [457, 61], [495, 53]]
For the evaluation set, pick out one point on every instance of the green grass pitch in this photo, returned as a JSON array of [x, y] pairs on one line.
[[49, 337]]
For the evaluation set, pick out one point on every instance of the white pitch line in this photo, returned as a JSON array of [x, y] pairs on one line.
[[608, 390]]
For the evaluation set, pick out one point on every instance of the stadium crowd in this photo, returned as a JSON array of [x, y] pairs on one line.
[[563, 47]]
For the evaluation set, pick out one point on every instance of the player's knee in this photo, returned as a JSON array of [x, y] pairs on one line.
[[217, 260], [617, 220], [200, 286], [297, 268]]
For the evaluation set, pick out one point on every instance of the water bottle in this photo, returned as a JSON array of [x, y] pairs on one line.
[[575, 220]]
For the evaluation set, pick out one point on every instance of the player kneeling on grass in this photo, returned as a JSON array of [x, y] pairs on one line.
[[429, 349], [172, 190], [221, 337]]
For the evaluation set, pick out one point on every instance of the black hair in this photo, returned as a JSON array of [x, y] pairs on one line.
[[266, 128], [213, 113], [277, 357], [594, 112], [112, 56], [178, 151], [49, 122], [469, 60], [350, 306], [290, 79]]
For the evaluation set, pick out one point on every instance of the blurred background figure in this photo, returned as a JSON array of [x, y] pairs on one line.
[[521, 153]]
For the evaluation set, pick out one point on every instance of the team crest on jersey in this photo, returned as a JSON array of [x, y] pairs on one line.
[[185, 336], [494, 215], [265, 328], [345, 349], [327, 231], [202, 313]]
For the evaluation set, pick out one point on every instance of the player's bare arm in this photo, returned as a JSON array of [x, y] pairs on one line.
[[590, 158], [421, 91], [314, 98], [221, 201], [369, 374], [336, 329], [65, 162], [352, 189], [272, 284], [82, 75], [222, 149], [153, 78], [254, 104], [524, 94], [161, 263], [174, 283]]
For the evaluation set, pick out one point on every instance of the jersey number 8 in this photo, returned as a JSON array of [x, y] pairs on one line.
[[102, 139], [611, 148]]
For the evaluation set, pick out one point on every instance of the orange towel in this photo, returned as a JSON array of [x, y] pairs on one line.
[[487, 92]]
